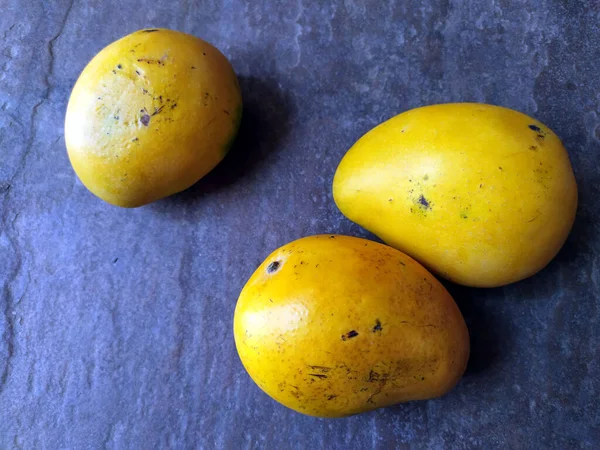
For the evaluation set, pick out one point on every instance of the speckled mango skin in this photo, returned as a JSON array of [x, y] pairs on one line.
[[333, 325], [481, 195], [150, 115]]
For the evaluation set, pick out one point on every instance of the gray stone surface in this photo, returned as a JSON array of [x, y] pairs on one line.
[[116, 325]]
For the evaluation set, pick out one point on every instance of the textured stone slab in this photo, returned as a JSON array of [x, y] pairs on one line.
[[115, 325]]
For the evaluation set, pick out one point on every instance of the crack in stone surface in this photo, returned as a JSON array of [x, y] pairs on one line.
[[8, 296]]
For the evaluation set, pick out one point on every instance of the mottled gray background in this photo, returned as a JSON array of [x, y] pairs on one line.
[[116, 325]]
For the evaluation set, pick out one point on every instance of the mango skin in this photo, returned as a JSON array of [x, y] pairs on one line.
[[333, 325], [481, 195], [150, 115]]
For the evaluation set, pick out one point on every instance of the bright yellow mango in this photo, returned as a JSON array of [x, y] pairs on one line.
[[150, 115], [480, 194], [334, 325]]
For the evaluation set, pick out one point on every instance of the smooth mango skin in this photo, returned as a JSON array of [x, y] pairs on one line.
[[481, 195], [333, 325], [150, 115]]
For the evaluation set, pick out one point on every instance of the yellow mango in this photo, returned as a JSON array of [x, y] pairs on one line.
[[481, 195], [334, 325], [150, 115]]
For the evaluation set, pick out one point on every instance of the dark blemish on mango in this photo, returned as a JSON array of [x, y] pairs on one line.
[[401, 263], [174, 105], [151, 61], [150, 30], [321, 368], [533, 147], [332, 237], [331, 397], [119, 66], [541, 134], [273, 267], [294, 393], [114, 71], [349, 335], [535, 128], [226, 112], [204, 53], [499, 167], [318, 375], [193, 68], [377, 326], [138, 72], [426, 177], [134, 139], [424, 202], [373, 376], [145, 119], [422, 378], [271, 300]]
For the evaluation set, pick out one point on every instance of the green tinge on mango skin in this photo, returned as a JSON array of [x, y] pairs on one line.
[[237, 121]]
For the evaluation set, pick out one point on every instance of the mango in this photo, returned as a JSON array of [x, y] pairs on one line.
[[333, 325], [481, 195], [150, 115]]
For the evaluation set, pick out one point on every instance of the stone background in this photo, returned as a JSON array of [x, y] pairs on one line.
[[116, 325]]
